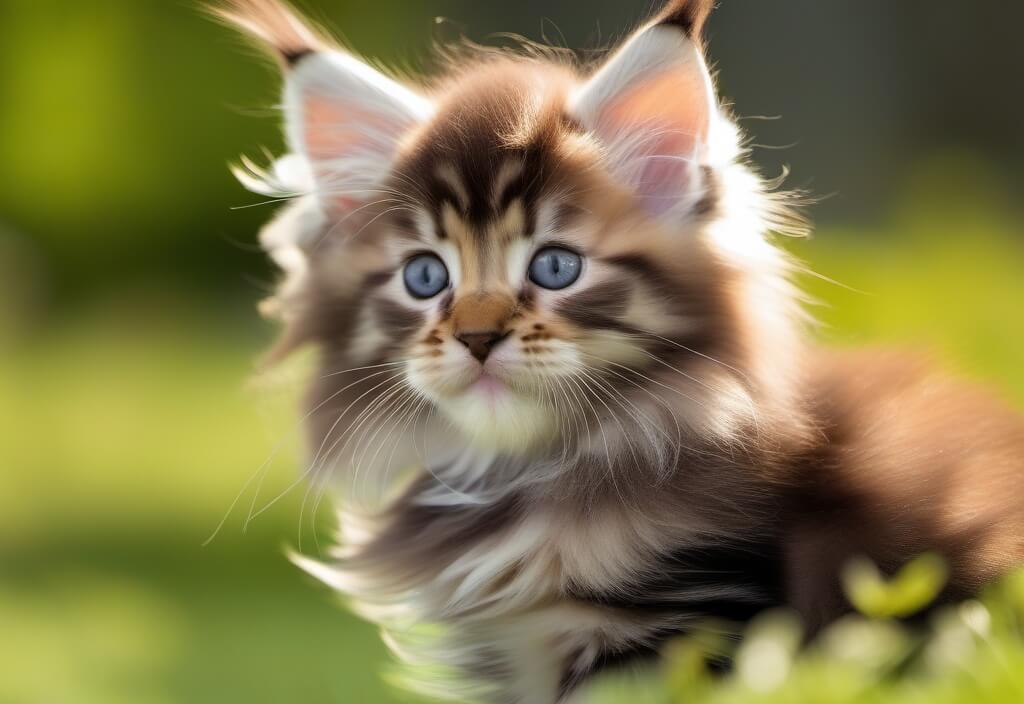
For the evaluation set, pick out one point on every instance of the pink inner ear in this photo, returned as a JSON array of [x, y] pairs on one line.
[[674, 101], [334, 133], [664, 120]]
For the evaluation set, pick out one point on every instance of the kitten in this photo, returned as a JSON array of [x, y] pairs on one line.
[[565, 394]]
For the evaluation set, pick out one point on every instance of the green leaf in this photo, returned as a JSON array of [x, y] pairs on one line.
[[914, 587]]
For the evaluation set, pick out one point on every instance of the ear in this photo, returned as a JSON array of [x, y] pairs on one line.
[[345, 117], [652, 107]]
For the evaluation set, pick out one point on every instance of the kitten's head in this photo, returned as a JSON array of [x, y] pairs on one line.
[[540, 255]]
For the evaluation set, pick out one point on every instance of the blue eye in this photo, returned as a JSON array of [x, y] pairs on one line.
[[425, 276], [555, 268]]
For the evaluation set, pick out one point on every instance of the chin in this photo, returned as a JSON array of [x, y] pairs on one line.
[[505, 421]]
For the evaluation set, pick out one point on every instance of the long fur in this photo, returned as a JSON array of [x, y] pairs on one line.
[[652, 445]]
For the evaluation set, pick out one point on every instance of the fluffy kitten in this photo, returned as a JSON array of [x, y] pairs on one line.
[[564, 393]]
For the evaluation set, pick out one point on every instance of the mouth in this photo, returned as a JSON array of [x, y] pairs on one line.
[[493, 414], [489, 387]]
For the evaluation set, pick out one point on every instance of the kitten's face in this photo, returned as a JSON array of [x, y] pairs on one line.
[[521, 289], [494, 341], [510, 274], [532, 254]]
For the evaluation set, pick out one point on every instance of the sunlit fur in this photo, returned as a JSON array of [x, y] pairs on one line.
[[649, 446]]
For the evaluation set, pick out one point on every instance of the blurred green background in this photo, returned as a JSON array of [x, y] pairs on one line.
[[130, 419]]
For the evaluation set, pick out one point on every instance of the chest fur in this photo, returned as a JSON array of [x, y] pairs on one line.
[[524, 605]]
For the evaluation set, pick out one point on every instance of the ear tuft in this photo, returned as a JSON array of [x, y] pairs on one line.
[[275, 25], [688, 15]]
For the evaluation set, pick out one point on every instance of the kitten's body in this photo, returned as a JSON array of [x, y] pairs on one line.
[[547, 588], [596, 467]]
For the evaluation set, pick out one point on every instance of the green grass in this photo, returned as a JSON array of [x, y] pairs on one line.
[[133, 429], [131, 426]]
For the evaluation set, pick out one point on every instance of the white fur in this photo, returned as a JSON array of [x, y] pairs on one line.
[[508, 422], [296, 226]]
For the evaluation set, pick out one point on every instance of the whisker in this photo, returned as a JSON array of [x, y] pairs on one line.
[[379, 405], [313, 464], [552, 399], [341, 221], [745, 397], [413, 419], [325, 478], [648, 333], [252, 505], [639, 413], [587, 376], [643, 388], [649, 379], [655, 382], [265, 466], [358, 369], [407, 395], [604, 435]]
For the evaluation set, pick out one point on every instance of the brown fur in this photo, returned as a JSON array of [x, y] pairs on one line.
[[909, 461], [699, 457]]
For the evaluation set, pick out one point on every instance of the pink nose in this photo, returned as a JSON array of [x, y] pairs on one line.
[[480, 343]]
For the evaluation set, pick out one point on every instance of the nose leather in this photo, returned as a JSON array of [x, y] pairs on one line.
[[480, 343]]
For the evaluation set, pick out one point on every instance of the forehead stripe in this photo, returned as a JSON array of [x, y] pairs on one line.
[[450, 180], [509, 174]]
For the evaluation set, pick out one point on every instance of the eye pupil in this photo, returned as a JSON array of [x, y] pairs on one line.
[[555, 268], [425, 276]]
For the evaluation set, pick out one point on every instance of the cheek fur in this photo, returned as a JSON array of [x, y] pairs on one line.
[[609, 349], [532, 355]]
